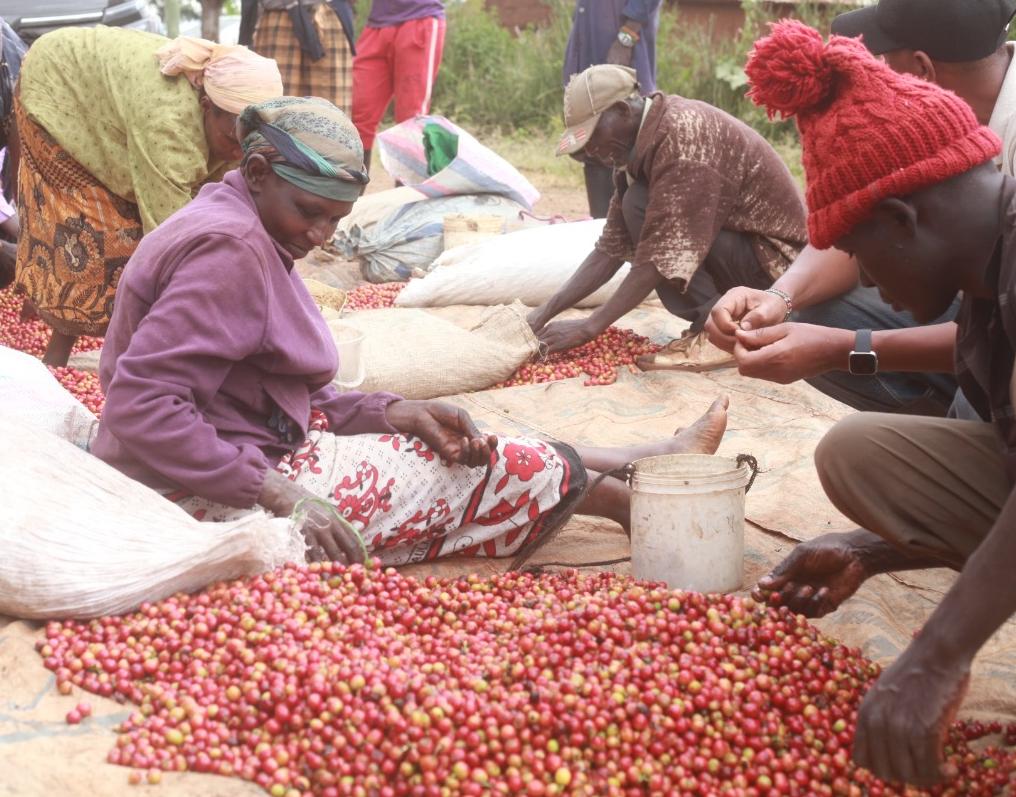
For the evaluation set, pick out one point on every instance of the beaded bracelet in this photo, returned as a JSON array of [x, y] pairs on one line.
[[787, 300]]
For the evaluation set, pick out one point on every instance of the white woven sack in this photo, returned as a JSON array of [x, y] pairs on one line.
[[420, 356], [31, 396], [371, 208], [528, 266], [80, 539]]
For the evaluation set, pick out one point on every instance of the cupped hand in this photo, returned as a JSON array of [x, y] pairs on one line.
[[816, 577], [326, 535], [742, 308], [447, 429], [787, 352], [565, 335], [904, 717], [328, 538]]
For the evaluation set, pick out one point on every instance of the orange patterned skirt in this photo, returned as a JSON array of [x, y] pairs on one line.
[[76, 236]]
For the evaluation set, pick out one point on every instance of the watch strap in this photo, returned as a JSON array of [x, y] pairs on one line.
[[862, 341]]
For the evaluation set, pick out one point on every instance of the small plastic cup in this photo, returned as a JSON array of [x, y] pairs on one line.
[[352, 369]]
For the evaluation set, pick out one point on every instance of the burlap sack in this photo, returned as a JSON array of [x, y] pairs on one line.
[[325, 296], [420, 356]]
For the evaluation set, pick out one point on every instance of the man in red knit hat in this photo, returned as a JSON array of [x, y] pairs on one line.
[[902, 177], [961, 46]]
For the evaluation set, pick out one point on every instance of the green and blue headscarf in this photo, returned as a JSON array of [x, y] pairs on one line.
[[309, 143]]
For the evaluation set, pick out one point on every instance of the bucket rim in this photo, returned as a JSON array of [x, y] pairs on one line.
[[736, 476], [732, 464]]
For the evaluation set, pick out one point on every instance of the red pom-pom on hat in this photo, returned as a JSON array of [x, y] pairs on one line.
[[867, 133], [789, 70]]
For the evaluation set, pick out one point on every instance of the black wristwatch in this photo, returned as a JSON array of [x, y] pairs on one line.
[[863, 361]]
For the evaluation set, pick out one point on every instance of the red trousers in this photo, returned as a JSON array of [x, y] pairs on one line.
[[400, 61]]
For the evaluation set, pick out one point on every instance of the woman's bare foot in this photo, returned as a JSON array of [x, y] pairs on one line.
[[702, 437]]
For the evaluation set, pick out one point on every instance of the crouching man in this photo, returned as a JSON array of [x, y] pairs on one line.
[[702, 203]]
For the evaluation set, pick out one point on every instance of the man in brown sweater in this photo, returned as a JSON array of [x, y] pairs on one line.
[[702, 203]]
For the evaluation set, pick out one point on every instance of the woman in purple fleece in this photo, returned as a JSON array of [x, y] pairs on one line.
[[217, 369]]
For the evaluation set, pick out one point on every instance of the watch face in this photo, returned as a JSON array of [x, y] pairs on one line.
[[863, 363], [626, 39]]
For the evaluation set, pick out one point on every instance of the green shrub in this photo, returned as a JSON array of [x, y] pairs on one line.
[[492, 79], [693, 62]]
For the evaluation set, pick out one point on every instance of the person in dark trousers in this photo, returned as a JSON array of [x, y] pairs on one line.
[[621, 32], [13, 49], [701, 203]]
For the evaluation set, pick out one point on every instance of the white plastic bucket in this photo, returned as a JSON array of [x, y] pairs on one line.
[[687, 521]]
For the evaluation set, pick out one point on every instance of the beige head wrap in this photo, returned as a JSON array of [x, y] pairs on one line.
[[232, 76]]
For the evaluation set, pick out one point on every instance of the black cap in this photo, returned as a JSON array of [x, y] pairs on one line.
[[947, 30]]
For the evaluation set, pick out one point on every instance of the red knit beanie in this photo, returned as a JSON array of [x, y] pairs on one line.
[[867, 132]]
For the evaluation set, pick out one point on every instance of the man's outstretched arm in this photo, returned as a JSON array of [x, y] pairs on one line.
[[595, 271], [564, 335]]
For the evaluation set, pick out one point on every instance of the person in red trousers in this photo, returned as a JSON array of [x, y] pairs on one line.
[[397, 55]]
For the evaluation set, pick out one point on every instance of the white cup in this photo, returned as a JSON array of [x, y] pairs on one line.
[[352, 368]]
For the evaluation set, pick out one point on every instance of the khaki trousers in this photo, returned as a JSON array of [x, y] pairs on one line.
[[931, 486]]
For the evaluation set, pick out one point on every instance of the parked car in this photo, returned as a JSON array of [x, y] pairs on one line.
[[32, 18]]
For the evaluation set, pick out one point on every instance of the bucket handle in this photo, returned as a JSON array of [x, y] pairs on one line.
[[627, 472], [752, 463]]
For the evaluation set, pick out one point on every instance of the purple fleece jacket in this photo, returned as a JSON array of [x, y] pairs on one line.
[[214, 348]]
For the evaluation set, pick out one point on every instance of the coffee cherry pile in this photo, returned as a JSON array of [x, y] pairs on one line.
[[325, 680], [599, 359], [24, 331], [83, 385], [373, 297]]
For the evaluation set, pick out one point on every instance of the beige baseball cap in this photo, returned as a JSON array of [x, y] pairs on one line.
[[587, 96]]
